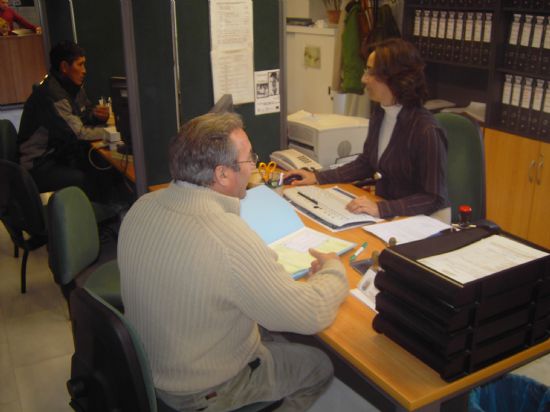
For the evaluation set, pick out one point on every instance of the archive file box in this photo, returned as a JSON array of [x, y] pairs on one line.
[[459, 328]]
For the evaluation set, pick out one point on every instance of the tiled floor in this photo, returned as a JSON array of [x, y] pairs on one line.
[[35, 336]]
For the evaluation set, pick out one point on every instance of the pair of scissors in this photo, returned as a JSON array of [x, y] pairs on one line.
[[266, 170]]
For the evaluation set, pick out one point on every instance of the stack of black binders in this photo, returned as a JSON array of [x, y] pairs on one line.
[[459, 328]]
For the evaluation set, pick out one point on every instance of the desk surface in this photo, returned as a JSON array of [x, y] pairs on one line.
[[409, 381], [406, 379], [123, 165]]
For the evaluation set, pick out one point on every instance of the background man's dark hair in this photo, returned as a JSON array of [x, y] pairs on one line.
[[65, 51]]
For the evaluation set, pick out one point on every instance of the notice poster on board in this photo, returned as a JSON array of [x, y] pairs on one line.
[[232, 49], [268, 93]]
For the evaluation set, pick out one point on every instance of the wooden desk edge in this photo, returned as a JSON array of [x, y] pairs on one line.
[[449, 389]]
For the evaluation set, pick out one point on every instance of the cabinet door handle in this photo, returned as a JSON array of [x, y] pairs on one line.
[[532, 172], [539, 169]]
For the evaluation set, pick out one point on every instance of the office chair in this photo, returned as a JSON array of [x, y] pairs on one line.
[[8, 151], [109, 369], [8, 141], [21, 212], [73, 246], [465, 164]]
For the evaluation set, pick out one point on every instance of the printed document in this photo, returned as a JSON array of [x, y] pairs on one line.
[[292, 250], [276, 222], [408, 229], [482, 258]]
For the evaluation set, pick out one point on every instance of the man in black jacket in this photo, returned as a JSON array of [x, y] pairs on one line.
[[58, 121]]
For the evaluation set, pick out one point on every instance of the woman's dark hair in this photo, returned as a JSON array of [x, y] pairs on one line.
[[399, 64], [65, 51]]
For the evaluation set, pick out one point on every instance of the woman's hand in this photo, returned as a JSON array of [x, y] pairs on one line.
[[363, 204], [305, 177]]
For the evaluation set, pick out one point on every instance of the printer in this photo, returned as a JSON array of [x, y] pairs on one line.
[[326, 137]]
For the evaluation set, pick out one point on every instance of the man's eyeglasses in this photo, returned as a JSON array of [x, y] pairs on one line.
[[253, 159]]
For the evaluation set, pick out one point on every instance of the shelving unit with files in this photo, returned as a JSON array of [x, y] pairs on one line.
[[492, 51]]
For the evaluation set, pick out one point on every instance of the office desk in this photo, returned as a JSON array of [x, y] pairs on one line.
[[393, 371], [407, 382], [123, 165]]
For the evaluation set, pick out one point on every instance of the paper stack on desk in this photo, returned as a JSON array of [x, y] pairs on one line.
[[276, 222], [408, 229]]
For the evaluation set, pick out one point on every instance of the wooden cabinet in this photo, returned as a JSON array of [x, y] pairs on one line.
[[22, 65], [518, 185]]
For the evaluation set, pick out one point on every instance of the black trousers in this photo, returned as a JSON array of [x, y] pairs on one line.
[[54, 173]]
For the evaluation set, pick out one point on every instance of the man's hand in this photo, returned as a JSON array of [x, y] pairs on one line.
[[101, 113], [307, 177], [363, 204], [320, 260]]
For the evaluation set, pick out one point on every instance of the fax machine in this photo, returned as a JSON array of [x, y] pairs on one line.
[[326, 137]]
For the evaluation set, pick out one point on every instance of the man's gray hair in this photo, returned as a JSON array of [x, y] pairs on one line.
[[202, 144]]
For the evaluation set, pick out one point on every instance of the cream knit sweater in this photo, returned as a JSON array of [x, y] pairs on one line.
[[196, 282]]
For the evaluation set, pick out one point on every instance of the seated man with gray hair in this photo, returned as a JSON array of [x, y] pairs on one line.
[[197, 282]]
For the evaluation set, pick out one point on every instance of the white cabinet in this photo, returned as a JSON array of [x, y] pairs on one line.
[[308, 80]]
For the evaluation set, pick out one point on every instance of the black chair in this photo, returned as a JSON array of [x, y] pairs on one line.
[[8, 140], [8, 151], [465, 164], [74, 246], [109, 369], [21, 212]]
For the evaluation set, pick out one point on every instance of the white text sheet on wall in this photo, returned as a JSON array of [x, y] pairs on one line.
[[232, 49]]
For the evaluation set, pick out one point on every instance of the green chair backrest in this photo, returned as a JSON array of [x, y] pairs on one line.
[[72, 233], [465, 164], [8, 141]]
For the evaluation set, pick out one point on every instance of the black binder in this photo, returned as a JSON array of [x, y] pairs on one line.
[[545, 53], [402, 261], [451, 318], [544, 122], [450, 368], [524, 106], [458, 43], [459, 328]]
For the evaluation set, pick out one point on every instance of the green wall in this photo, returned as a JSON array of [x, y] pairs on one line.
[[196, 70]]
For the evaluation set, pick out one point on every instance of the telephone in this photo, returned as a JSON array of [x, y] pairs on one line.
[[293, 159]]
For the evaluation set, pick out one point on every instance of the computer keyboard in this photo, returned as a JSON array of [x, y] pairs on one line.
[[327, 205]]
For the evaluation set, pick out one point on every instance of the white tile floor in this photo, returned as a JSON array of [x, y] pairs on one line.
[[35, 335]]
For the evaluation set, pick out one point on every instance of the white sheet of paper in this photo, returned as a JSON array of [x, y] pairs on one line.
[[231, 24], [232, 49], [233, 73], [408, 229], [482, 258]]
